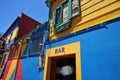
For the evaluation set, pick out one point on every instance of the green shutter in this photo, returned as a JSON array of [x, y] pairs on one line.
[[69, 9], [54, 16]]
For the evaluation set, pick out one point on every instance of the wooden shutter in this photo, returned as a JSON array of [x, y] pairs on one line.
[[75, 7], [53, 20], [65, 11]]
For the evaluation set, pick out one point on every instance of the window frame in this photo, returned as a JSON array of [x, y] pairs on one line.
[[3, 61], [30, 43], [57, 26], [24, 50]]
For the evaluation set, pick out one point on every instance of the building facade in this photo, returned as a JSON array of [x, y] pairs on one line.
[[22, 25], [79, 42], [84, 40]]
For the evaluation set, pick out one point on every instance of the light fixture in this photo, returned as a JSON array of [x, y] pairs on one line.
[[18, 43], [66, 70], [12, 46], [28, 38], [41, 61], [40, 45]]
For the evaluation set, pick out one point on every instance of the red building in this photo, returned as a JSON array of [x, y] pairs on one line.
[[22, 25]]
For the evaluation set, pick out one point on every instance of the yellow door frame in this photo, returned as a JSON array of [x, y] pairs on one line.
[[69, 49]]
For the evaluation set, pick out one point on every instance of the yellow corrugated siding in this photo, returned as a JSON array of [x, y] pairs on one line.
[[93, 12], [12, 35], [15, 32], [7, 39], [98, 9]]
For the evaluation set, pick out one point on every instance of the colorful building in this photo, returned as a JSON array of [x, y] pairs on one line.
[[81, 41], [22, 25], [84, 40], [32, 58], [1, 52]]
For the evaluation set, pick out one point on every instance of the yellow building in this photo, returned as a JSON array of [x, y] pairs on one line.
[[76, 15]]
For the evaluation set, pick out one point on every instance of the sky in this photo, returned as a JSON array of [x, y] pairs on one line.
[[11, 9]]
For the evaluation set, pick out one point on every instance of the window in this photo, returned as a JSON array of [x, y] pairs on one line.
[[75, 7], [58, 16], [0, 58], [34, 45], [24, 54], [10, 37], [1, 45], [3, 61], [65, 11], [24, 48], [63, 14]]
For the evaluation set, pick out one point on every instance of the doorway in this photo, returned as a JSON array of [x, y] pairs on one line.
[[63, 68]]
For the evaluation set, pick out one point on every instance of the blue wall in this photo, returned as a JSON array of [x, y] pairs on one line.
[[30, 68], [100, 50]]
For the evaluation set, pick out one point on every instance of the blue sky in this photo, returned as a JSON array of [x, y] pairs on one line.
[[10, 9]]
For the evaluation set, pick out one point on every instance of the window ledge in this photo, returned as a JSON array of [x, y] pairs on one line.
[[63, 26]]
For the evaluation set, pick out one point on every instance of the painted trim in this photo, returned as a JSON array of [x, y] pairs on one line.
[[12, 68], [7, 69], [3, 62], [19, 70], [70, 49]]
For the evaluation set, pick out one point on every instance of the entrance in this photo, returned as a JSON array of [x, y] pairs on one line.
[[63, 68]]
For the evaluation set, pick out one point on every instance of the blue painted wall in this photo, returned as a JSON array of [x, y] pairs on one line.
[[100, 50], [30, 68]]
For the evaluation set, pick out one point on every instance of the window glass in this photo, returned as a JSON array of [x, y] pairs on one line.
[[24, 49], [3, 60], [58, 16], [34, 46], [75, 7], [65, 11], [0, 59]]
